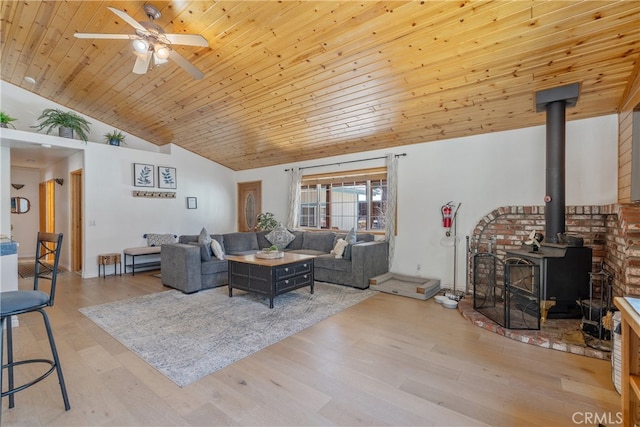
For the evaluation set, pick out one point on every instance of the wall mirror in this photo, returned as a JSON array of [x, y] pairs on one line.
[[20, 205]]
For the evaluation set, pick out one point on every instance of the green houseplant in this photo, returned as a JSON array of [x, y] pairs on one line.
[[114, 138], [5, 120], [267, 221], [67, 123]]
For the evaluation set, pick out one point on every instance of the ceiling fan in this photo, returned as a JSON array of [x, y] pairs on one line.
[[151, 42]]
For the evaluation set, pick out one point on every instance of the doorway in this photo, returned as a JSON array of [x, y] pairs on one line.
[[47, 207], [249, 204], [76, 221]]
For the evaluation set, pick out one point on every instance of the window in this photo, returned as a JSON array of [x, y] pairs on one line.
[[341, 201]]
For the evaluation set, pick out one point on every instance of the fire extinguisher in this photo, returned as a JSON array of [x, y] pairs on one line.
[[447, 215]]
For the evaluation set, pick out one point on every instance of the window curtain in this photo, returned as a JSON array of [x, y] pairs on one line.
[[392, 196], [295, 181]]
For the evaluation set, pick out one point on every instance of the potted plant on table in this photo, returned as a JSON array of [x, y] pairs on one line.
[[5, 120], [67, 123], [114, 138]]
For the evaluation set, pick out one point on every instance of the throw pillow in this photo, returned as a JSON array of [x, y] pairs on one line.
[[205, 253], [351, 239], [216, 247], [347, 250], [280, 237], [204, 238], [351, 236], [159, 239], [338, 249]]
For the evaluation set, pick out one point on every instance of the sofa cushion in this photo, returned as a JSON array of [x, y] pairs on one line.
[[263, 243], [237, 243], [188, 238], [329, 262], [318, 241], [214, 266], [280, 237], [205, 253], [306, 252], [297, 242], [348, 249]]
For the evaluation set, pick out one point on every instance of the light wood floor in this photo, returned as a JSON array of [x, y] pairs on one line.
[[389, 360]]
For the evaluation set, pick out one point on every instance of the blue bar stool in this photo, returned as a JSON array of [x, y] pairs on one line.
[[13, 303]]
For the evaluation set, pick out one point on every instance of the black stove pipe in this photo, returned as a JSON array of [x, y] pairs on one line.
[[555, 101], [554, 214]]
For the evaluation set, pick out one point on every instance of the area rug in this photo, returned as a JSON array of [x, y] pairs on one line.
[[27, 269], [187, 337]]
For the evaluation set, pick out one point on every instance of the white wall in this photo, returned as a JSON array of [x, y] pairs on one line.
[[25, 226], [482, 172], [5, 192], [115, 220]]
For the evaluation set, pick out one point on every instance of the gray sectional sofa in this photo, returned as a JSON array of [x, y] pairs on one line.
[[190, 266]]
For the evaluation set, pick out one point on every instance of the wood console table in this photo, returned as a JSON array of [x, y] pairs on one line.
[[630, 310]]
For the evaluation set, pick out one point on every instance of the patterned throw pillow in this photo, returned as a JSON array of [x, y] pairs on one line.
[[280, 237], [160, 239], [205, 239]]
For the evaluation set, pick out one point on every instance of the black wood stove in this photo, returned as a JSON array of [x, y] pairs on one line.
[[564, 277]]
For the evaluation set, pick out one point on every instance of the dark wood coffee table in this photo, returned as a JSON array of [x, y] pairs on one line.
[[270, 277]]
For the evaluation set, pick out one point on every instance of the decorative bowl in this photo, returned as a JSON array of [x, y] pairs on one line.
[[269, 254]]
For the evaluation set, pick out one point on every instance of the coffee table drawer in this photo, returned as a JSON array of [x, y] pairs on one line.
[[293, 283], [292, 270]]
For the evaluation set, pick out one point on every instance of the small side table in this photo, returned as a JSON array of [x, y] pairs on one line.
[[109, 259]]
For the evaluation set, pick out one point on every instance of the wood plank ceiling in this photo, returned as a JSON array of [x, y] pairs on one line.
[[291, 81]]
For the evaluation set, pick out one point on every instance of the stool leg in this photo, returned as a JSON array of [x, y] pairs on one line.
[[56, 360], [10, 360], [2, 323]]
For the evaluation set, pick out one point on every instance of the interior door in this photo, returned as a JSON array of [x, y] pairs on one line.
[[249, 204]]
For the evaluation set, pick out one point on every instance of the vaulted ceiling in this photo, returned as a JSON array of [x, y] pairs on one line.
[[291, 81]]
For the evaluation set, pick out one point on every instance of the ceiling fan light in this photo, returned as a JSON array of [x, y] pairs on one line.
[[157, 60], [140, 45], [162, 52]]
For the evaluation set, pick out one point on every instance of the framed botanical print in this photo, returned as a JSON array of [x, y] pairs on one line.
[[143, 175], [167, 177]]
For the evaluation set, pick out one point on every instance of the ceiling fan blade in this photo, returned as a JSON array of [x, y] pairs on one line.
[[187, 39], [188, 66], [103, 36], [128, 19], [142, 63]]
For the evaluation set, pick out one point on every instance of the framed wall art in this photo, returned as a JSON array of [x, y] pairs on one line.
[[143, 175], [192, 203], [167, 177]]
